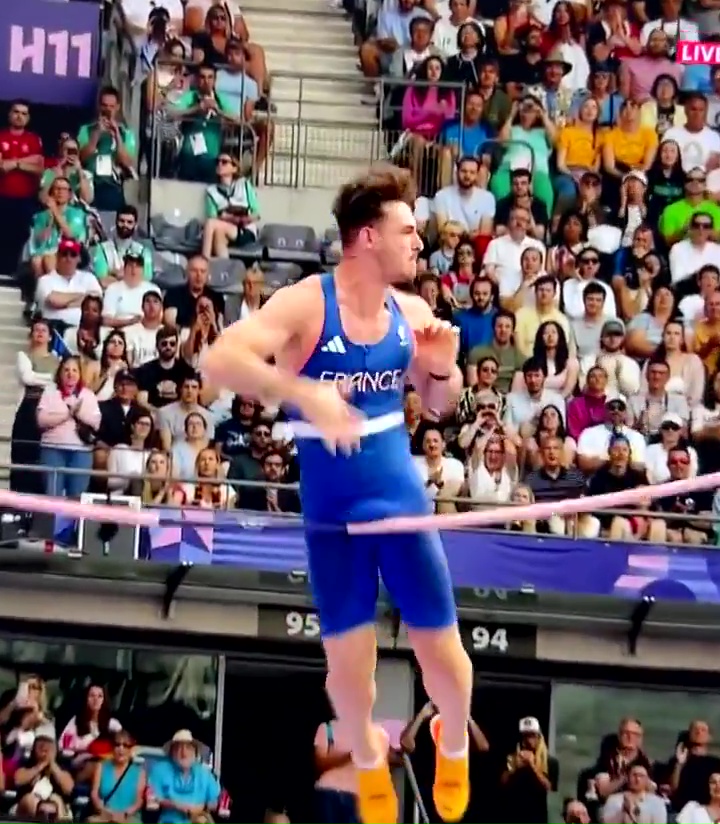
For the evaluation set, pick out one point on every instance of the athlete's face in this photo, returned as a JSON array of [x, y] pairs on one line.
[[396, 243]]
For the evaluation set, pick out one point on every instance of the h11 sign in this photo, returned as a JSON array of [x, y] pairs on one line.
[[49, 51]]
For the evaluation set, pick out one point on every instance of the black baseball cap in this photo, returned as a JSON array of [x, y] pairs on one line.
[[125, 376]]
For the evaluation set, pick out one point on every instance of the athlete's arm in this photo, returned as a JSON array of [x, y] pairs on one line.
[[434, 371], [238, 360]]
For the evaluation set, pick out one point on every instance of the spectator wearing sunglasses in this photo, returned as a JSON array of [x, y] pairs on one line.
[[688, 256], [62, 219], [247, 465], [118, 784], [676, 217], [698, 503], [672, 429]]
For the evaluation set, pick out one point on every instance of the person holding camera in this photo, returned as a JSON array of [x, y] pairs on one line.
[[69, 167], [232, 210]]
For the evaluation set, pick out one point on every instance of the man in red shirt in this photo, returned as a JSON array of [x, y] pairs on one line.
[[21, 165]]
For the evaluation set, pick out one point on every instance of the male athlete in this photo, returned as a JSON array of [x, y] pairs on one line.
[[343, 345]]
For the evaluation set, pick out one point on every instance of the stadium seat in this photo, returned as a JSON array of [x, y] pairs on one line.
[[184, 238], [167, 274], [281, 274], [290, 244], [226, 275], [329, 255]]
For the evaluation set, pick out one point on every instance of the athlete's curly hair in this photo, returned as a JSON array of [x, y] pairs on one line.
[[360, 203]]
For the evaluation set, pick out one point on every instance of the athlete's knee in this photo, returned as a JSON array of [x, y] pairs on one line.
[[442, 649]]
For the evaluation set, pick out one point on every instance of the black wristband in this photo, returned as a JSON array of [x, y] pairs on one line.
[[438, 377]]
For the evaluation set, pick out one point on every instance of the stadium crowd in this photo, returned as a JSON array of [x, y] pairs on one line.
[[569, 175], [93, 769]]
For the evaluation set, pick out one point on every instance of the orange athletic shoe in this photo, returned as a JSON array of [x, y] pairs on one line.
[[377, 802], [451, 790]]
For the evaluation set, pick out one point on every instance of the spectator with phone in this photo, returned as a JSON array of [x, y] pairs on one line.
[[26, 712], [69, 167]]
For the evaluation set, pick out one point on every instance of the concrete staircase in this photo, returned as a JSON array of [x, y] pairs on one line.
[[317, 88], [13, 336]]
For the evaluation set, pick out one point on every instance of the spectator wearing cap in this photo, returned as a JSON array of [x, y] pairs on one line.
[[186, 789], [706, 334], [203, 112], [564, 45], [623, 371], [118, 409], [20, 169], [525, 403], [532, 135], [528, 319], [697, 504], [618, 474], [393, 33], [663, 110], [699, 144], [640, 75], [180, 300], [502, 261], [141, 337], [464, 136], [232, 210], [676, 218], [672, 431], [122, 304], [588, 409], [530, 775], [60, 293], [67, 415], [62, 219], [633, 204], [108, 149], [648, 407], [594, 442], [501, 349], [108, 256], [587, 328], [463, 202], [688, 256]]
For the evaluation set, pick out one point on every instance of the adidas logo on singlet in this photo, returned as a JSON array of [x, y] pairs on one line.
[[335, 345]]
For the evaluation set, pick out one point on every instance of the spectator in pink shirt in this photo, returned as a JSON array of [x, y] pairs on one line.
[[68, 416], [425, 108], [588, 409]]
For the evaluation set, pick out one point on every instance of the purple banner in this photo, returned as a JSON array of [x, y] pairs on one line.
[[505, 560], [49, 51]]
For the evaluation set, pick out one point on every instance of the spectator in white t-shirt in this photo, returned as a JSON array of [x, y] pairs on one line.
[[692, 307], [443, 477], [463, 202], [697, 250], [502, 256], [142, 337], [699, 144], [445, 33], [123, 301], [594, 441], [59, 294]]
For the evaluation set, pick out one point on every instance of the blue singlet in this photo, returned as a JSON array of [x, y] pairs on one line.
[[379, 481]]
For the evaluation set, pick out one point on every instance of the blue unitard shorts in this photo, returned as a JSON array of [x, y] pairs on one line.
[[345, 571]]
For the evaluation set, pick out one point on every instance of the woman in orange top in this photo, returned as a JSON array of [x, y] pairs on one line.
[[627, 146], [578, 152]]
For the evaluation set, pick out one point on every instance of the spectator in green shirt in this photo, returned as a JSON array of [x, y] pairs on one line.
[[69, 166], [109, 255], [675, 218], [108, 149], [205, 114], [61, 219]]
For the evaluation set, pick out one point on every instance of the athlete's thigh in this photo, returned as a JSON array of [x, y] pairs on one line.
[[344, 580], [414, 569]]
